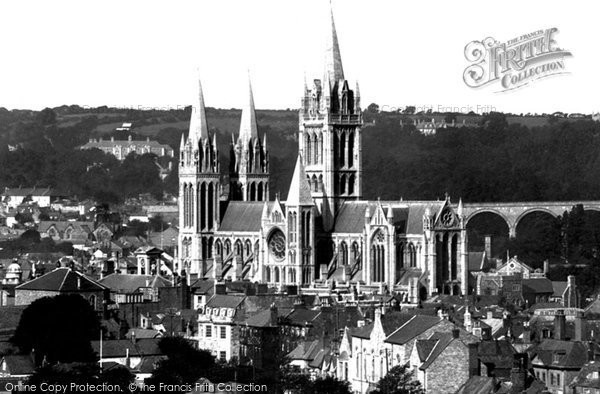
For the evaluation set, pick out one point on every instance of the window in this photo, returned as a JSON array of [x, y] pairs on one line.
[[209, 331], [223, 356], [223, 333], [551, 378], [558, 379]]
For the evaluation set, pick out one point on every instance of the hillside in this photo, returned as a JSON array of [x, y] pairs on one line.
[[507, 158]]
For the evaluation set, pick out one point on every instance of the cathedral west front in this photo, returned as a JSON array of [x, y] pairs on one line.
[[324, 236]]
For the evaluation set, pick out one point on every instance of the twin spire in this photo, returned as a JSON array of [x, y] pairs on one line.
[[248, 126], [199, 126]]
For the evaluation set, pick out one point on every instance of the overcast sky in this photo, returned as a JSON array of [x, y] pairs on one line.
[[144, 53]]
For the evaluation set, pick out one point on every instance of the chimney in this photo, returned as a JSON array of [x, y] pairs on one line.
[[455, 333], [526, 332], [580, 327], [518, 373], [112, 139], [559, 325], [473, 359], [129, 138], [570, 295], [273, 316], [591, 348], [488, 246], [133, 340], [546, 267]]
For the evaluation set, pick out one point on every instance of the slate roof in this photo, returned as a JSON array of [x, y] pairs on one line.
[[443, 339], [478, 385], [498, 353], [424, 348], [537, 286], [18, 364], [570, 354], [476, 261], [261, 319], [62, 226], [407, 215], [302, 316], [242, 216], [62, 280], [414, 327], [131, 283], [306, 350], [559, 288], [392, 320], [118, 348], [225, 301], [585, 377]]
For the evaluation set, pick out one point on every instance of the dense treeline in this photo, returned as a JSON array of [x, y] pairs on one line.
[[494, 162]]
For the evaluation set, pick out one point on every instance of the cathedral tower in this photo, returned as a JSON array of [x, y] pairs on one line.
[[330, 135], [199, 186], [249, 162]]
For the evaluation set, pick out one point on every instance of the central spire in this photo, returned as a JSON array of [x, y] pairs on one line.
[[198, 124], [333, 59], [248, 126]]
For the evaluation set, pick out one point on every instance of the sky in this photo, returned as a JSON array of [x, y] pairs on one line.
[[145, 54]]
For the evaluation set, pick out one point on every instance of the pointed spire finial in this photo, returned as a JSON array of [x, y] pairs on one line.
[[333, 58], [248, 125], [198, 123]]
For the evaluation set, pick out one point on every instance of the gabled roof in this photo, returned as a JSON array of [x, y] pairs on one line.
[[225, 301], [537, 286], [17, 364], [299, 191], [306, 350], [118, 348], [131, 283], [391, 321], [585, 377], [442, 342], [62, 280], [243, 216], [559, 288], [302, 316], [561, 354], [261, 319], [478, 385], [414, 327], [407, 215]]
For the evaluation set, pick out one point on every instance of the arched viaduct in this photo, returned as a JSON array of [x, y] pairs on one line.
[[513, 212]]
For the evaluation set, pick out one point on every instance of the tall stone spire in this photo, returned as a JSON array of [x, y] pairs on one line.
[[198, 123], [333, 59], [248, 126]]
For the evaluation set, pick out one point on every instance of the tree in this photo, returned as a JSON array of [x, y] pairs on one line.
[[409, 110], [59, 329], [330, 385], [399, 380], [184, 363], [373, 108]]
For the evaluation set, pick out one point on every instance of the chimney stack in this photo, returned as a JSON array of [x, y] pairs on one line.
[[559, 325], [546, 267], [518, 373], [580, 327], [455, 333], [488, 246]]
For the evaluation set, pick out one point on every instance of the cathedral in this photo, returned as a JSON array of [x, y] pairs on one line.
[[324, 235]]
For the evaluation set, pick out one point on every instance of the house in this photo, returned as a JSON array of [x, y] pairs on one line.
[[259, 339], [62, 281], [444, 361], [218, 331], [363, 351], [587, 380], [131, 289], [17, 366], [537, 290], [556, 362], [13, 197], [121, 148], [62, 231], [128, 352]]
